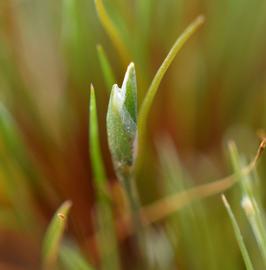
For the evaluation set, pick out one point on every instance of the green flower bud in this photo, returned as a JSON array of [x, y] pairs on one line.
[[122, 123]]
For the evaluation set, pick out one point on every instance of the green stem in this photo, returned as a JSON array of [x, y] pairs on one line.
[[129, 185], [146, 105]]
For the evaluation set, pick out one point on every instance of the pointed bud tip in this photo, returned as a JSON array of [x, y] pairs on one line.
[[115, 86], [131, 67], [129, 73], [115, 94], [200, 19]]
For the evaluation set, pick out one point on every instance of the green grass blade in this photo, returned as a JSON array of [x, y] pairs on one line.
[[238, 235], [95, 152], [192, 222], [104, 215], [250, 200], [10, 134], [13, 175], [111, 31], [146, 105], [166, 206], [256, 218], [106, 68], [54, 235], [72, 259]]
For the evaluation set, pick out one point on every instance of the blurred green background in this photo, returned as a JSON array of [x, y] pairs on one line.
[[214, 92]]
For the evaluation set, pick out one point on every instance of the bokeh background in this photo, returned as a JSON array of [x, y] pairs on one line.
[[215, 91]]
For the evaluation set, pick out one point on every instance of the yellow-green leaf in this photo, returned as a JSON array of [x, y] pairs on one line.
[[53, 236]]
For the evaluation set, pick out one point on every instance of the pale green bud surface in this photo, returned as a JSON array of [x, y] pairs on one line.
[[122, 123]]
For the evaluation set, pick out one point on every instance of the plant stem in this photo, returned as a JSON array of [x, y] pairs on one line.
[[146, 105]]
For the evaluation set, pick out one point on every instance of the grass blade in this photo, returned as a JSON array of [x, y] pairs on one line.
[[256, 218], [166, 206], [238, 235], [13, 172], [111, 31], [146, 105], [192, 222], [72, 259], [54, 235], [106, 68], [95, 152], [104, 214], [250, 200]]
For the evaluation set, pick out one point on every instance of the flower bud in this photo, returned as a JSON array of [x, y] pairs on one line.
[[122, 123]]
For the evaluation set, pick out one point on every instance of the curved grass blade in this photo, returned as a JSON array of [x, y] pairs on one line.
[[106, 68], [238, 235], [54, 235], [72, 259], [146, 105], [193, 221], [111, 31], [166, 206]]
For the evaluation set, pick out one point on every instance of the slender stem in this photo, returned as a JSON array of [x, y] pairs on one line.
[[129, 185]]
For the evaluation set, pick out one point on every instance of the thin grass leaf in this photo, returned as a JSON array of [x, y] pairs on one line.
[[16, 163], [256, 218], [166, 206], [146, 105], [111, 31], [249, 203], [104, 215], [13, 170], [72, 259], [53, 236], [238, 235], [106, 67], [11, 138], [95, 152], [192, 222], [10, 135]]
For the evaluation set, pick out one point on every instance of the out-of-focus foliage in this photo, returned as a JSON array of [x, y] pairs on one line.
[[53, 236], [215, 91]]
